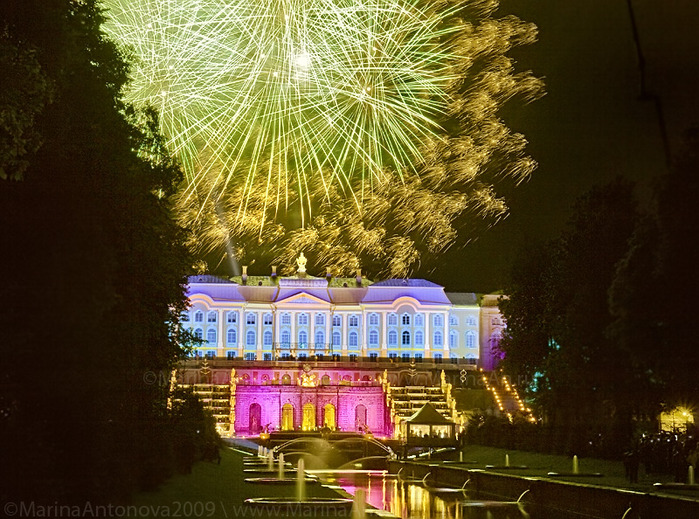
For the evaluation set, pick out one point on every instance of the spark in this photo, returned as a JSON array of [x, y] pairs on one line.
[[359, 131]]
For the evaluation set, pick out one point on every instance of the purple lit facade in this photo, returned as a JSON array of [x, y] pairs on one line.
[[303, 353]]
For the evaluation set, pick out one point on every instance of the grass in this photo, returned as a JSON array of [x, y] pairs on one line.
[[218, 491], [539, 465]]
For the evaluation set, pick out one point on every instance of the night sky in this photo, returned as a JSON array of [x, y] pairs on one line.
[[592, 125]]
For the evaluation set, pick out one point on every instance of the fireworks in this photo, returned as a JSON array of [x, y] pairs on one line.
[[358, 131]]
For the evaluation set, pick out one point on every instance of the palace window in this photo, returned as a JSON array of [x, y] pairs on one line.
[[286, 319], [437, 320], [286, 337], [302, 319], [392, 320], [353, 339], [353, 321], [392, 355], [250, 318], [405, 338], [437, 341], [211, 336], [392, 338], [303, 339], [320, 320], [199, 317], [453, 339], [267, 319], [337, 321], [437, 357], [211, 354], [373, 355], [251, 356], [373, 338], [267, 338], [199, 333], [453, 320], [231, 354], [353, 357], [211, 317], [373, 319], [184, 317], [471, 321], [470, 340], [337, 338], [419, 338], [405, 357], [320, 338], [405, 319], [250, 338], [419, 320], [267, 356], [232, 317]]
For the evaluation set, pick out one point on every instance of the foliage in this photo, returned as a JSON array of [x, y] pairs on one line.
[[95, 266]]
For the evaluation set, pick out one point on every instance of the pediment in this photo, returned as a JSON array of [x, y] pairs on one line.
[[303, 298]]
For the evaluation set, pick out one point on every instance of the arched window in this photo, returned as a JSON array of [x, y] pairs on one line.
[[337, 321], [453, 320], [471, 321], [302, 319], [353, 321], [373, 319], [267, 319], [419, 320], [405, 319], [211, 317], [329, 416], [392, 320], [286, 380], [286, 337], [405, 338], [286, 318], [199, 317], [392, 338], [360, 416], [199, 333], [255, 415], [353, 339], [437, 320], [470, 340], [337, 339], [320, 338], [419, 338], [250, 338], [287, 416], [453, 339], [373, 338], [320, 320], [232, 317], [325, 380], [437, 341], [303, 338], [250, 318], [184, 317], [211, 335], [267, 338], [232, 336]]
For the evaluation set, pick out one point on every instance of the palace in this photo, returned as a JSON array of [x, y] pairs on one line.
[[303, 352]]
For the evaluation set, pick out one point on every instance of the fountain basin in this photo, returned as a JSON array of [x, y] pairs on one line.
[[291, 504], [676, 486], [280, 481], [267, 470], [507, 467], [575, 474]]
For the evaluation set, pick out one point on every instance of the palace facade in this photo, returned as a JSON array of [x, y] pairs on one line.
[[304, 352]]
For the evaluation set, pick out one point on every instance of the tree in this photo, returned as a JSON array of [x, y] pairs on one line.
[[95, 269]]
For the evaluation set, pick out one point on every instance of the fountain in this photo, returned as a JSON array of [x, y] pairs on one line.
[[691, 483], [576, 472], [690, 476], [359, 505], [281, 465], [300, 501], [507, 465]]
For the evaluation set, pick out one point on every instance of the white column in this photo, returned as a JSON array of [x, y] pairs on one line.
[[259, 320], [294, 339], [428, 335], [343, 341], [383, 322], [221, 325]]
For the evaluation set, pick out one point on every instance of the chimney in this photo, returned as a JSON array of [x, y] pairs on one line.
[[245, 274], [359, 277]]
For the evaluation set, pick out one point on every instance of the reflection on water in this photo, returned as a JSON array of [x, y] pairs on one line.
[[412, 501]]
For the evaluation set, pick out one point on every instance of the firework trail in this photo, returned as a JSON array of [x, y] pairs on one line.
[[360, 132]]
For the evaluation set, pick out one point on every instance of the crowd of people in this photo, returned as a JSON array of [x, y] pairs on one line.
[[663, 453]]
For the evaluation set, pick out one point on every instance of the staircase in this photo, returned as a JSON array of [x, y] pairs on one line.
[[405, 401], [507, 399]]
